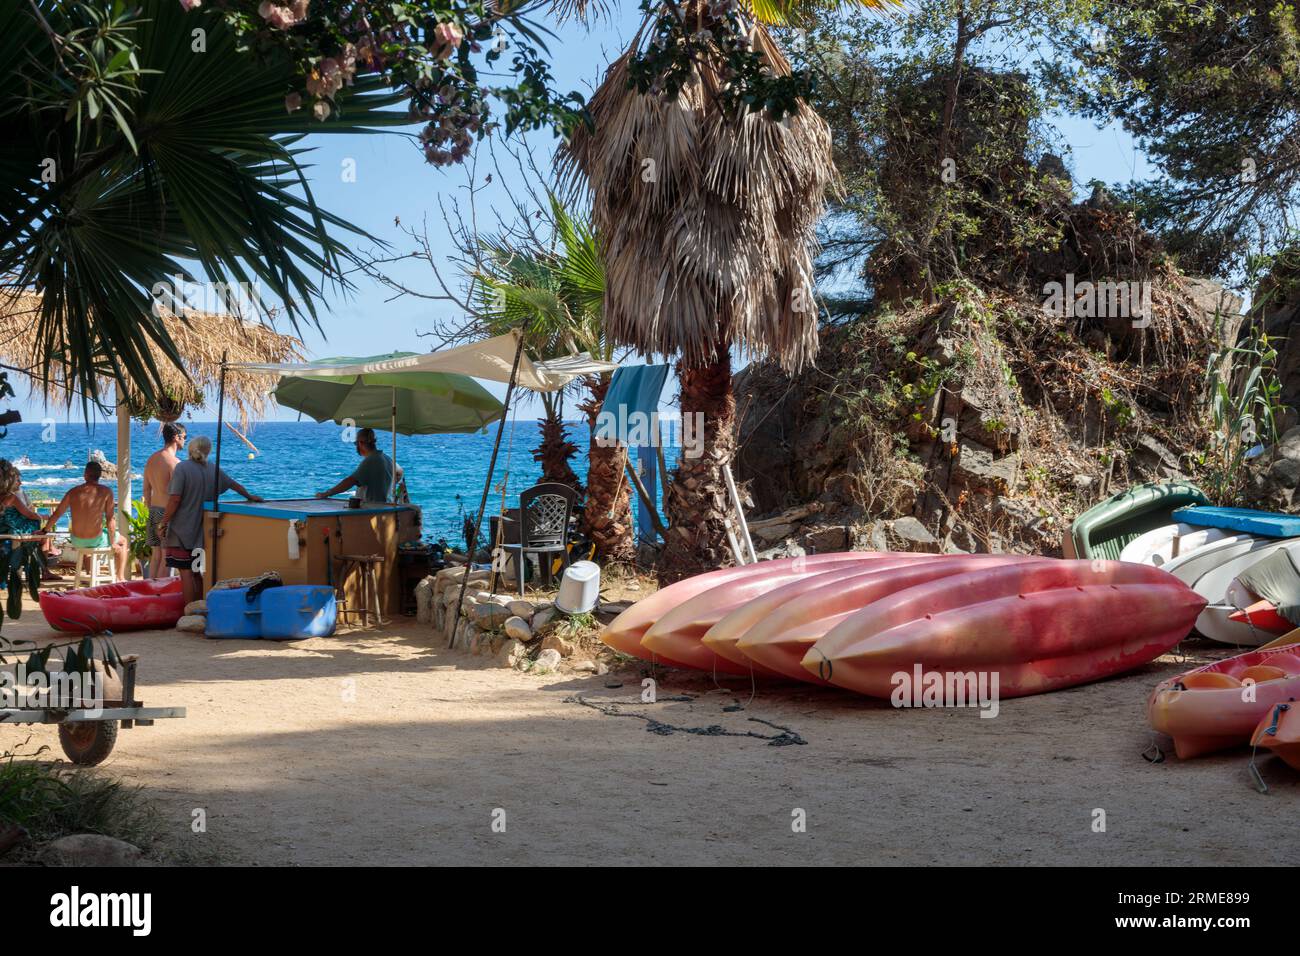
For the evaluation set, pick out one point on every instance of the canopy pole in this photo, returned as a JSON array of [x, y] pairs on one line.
[[124, 507], [487, 487], [216, 485], [392, 487]]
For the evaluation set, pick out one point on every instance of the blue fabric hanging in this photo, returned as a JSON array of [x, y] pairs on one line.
[[630, 416]]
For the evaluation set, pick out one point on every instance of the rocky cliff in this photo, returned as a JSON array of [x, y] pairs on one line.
[[983, 422]]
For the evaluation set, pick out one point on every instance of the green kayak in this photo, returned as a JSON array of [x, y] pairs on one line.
[[1104, 529]]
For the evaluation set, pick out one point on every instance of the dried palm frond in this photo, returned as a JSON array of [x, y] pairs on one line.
[[706, 217], [199, 338]]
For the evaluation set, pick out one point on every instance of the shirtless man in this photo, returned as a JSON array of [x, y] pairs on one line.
[[94, 521], [157, 478]]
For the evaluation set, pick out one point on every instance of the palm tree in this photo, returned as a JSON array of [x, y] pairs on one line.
[[139, 143], [706, 215], [556, 296]]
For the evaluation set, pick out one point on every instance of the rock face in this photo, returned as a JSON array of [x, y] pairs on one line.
[[1273, 477], [90, 849], [978, 423], [192, 624]]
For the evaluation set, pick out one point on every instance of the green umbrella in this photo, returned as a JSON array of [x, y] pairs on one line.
[[412, 403]]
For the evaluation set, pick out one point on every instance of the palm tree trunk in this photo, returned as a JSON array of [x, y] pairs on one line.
[[607, 517], [555, 449], [697, 496]]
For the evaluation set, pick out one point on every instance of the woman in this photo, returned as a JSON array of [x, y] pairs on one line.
[[17, 516]]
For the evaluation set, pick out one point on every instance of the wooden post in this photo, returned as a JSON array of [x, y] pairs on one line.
[[216, 485], [124, 470], [487, 486]]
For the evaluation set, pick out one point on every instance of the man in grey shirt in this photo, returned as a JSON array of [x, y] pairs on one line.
[[374, 475], [193, 482]]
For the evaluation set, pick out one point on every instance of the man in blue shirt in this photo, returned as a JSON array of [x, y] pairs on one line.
[[374, 476]]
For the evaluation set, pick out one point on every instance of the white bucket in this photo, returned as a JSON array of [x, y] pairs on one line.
[[579, 589]]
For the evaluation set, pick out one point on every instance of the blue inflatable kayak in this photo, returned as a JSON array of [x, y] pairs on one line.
[[1271, 524]]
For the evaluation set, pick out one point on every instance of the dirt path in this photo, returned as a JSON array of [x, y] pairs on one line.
[[366, 749]]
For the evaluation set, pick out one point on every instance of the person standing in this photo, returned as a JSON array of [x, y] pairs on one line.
[[93, 523], [194, 482], [157, 482], [374, 476]]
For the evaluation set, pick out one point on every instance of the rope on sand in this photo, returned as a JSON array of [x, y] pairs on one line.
[[785, 738]]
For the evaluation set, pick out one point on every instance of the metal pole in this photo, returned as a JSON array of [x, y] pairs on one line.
[[487, 486], [392, 490], [216, 485], [740, 511]]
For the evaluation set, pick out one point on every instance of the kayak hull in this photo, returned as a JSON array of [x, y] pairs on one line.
[[151, 604], [624, 633], [1038, 626], [1210, 708]]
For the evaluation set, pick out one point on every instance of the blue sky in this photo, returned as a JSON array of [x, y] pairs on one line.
[[392, 180]]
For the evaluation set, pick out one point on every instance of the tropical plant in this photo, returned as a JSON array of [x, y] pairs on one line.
[[135, 139], [705, 209], [556, 296], [1212, 89]]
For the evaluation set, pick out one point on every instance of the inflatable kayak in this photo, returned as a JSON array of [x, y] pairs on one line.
[[1211, 707], [1040, 625], [783, 635], [624, 633], [154, 603]]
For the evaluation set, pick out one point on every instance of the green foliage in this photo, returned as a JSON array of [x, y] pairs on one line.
[[1212, 90], [130, 153], [937, 131], [137, 526], [455, 62], [50, 803]]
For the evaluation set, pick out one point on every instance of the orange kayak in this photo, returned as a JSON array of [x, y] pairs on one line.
[[779, 632], [624, 633], [1038, 625], [1213, 707], [1279, 732]]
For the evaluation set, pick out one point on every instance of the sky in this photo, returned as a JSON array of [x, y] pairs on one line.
[[392, 181]]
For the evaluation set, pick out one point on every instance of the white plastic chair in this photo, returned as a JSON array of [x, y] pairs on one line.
[[100, 570]]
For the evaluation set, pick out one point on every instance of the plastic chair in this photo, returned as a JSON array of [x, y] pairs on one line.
[[544, 512], [100, 570]]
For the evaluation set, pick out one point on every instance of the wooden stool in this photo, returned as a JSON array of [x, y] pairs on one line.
[[101, 567], [366, 566]]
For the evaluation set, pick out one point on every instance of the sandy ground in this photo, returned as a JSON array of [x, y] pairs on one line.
[[387, 748]]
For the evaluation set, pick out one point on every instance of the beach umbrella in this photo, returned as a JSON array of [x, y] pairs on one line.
[[409, 402]]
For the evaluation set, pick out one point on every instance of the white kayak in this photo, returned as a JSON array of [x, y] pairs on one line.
[[1216, 583], [1161, 545], [1188, 568]]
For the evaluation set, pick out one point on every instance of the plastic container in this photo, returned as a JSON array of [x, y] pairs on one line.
[[230, 615], [579, 589], [297, 611]]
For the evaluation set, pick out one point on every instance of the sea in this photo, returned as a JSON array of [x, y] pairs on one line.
[[444, 473]]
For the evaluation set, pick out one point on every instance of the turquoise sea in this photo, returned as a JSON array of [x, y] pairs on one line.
[[444, 473]]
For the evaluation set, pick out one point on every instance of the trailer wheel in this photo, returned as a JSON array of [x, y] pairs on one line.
[[88, 742]]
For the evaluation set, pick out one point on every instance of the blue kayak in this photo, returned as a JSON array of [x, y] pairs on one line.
[[1271, 524]]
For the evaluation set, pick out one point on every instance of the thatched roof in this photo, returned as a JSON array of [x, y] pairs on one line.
[[199, 337]]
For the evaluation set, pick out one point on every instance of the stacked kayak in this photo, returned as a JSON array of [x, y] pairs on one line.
[[153, 603], [857, 620], [1228, 703], [1245, 563], [1106, 529]]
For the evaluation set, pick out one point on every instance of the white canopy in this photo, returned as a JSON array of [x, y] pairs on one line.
[[490, 359]]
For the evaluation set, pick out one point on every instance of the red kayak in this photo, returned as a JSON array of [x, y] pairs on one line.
[[154, 603], [1263, 616]]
